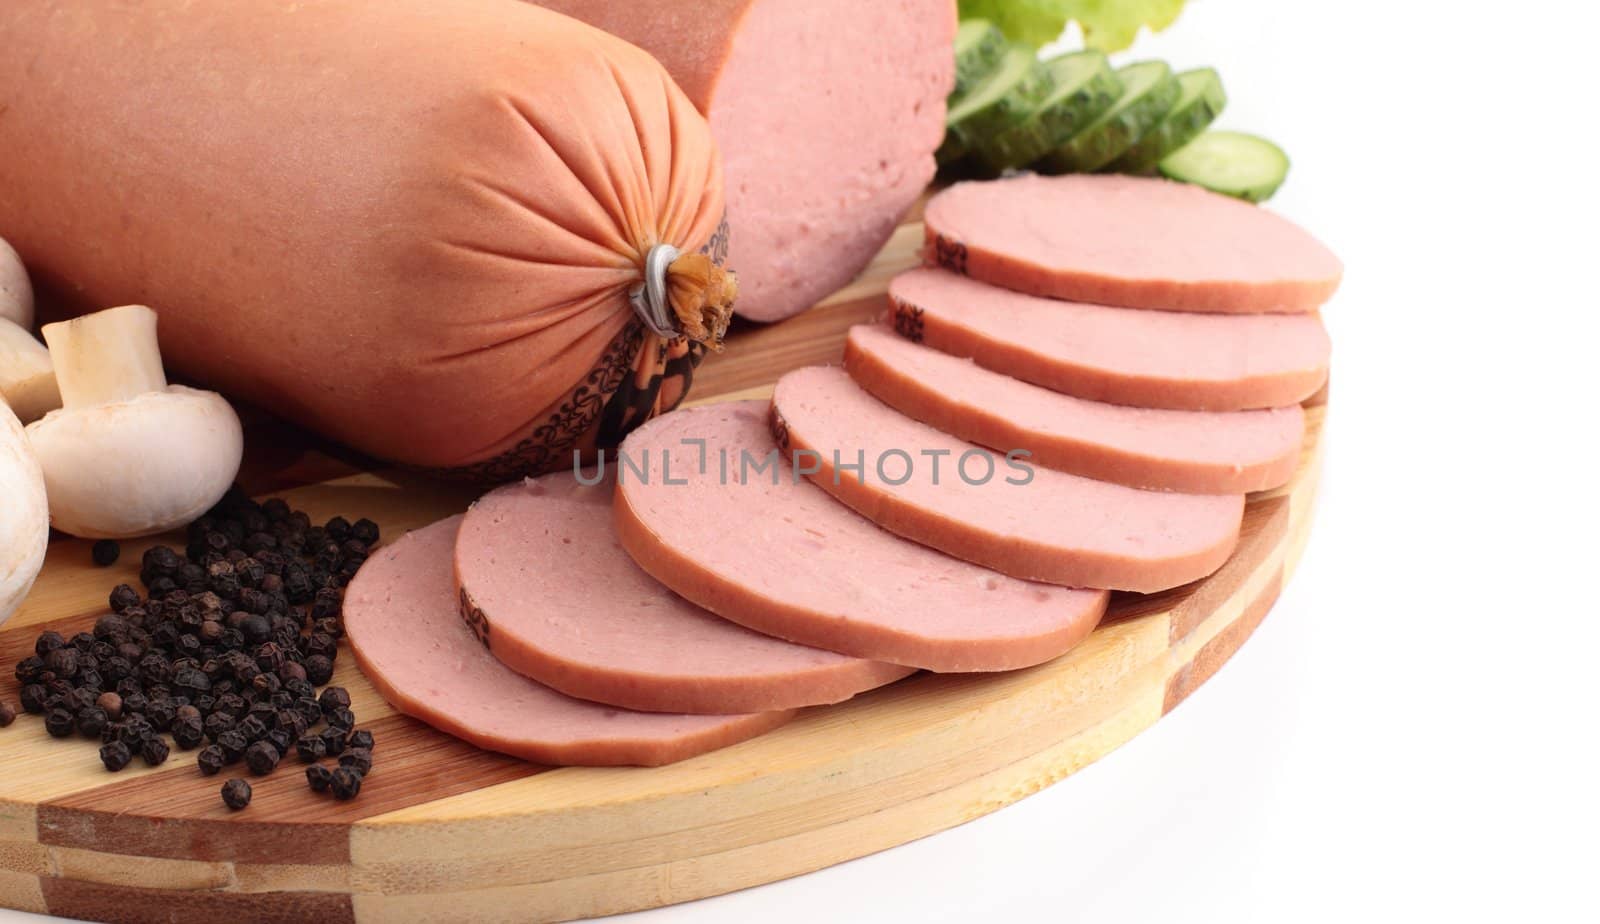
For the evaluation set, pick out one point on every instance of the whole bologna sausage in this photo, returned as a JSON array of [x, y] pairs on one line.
[[413, 226]]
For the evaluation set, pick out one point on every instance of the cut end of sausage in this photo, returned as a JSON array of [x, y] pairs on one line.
[[746, 538], [1135, 242], [827, 115], [1159, 359], [404, 625], [993, 507], [541, 563], [1199, 452]]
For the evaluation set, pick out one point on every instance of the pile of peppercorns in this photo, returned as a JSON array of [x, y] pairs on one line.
[[225, 653]]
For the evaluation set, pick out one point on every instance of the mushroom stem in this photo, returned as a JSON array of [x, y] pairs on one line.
[[105, 357], [27, 382]]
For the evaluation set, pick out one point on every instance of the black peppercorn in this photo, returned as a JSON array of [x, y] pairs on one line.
[[257, 602], [365, 530], [281, 739], [154, 750], [319, 669], [133, 701], [132, 730], [333, 698], [308, 710], [311, 748], [111, 627], [63, 662], [255, 627], [187, 732], [232, 704], [233, 743], [333, 741], [218, 722], [210, 760], [115, 755], [252, 727], [338, 529], [262, 758], [91, 721], [362, 739], [346, 783], [270, 657], [236, 794], [325, 604], [293, 671], [105, 552], [123, 597], [341, 718], [29, 669], [80, 697], [159, 560], [192, 680], [291, 721], [49, 641], [162, 586], [320, 643], [59, 722], [160, 713], [33, 696], [319, 777], [189, 644], [8, 714], [359, 758], [192, 578], [216, 542]]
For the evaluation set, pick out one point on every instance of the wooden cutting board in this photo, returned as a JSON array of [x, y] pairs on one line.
[[444, 832]]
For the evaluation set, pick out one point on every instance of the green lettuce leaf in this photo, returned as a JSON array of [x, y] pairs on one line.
[[1109, 25]]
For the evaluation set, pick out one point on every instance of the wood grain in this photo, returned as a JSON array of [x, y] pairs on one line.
[[443, 832]]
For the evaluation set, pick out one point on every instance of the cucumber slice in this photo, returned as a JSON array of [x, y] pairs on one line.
[[1013, 90], [1148, 91], [1231, 163], [1085, 87], [1200, 101], [979, 47]]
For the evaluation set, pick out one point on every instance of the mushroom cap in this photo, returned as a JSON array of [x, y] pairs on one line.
[[137, 467], [16, 293], [24, 522]]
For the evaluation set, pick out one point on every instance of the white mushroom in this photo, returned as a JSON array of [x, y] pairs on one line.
[[24, 524], [27, 380], [16, 293], [127, 454]]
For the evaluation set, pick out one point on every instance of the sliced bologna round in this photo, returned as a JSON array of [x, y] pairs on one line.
[[734, 530], [1200, 452], [986, 507], [539, 564], [1137, 242], [826, 113], [1165, 359], [405, 627]]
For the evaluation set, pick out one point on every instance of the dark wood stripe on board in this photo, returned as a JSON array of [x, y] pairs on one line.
[[1215, 653], [91, 901], [179, 815]]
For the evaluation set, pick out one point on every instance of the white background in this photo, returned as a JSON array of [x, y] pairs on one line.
[[1411, 733]]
